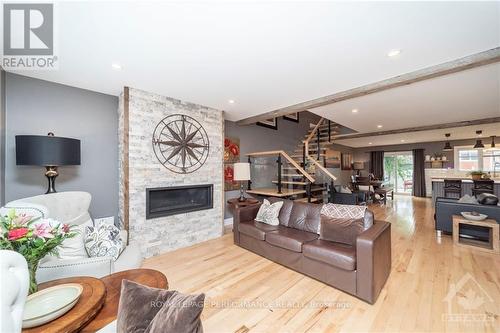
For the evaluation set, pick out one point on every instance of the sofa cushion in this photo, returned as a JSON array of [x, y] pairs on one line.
[[285, 212], [256, 229], [305, 216], [289, 238], [334, 254]]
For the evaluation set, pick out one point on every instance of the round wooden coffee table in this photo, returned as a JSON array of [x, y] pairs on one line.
[[113, 282], [90, 302]]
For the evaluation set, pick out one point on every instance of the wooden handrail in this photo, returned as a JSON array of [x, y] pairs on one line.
[[289, 159], [312, 159]]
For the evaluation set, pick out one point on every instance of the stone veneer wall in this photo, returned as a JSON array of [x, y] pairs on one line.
[[159, 235]]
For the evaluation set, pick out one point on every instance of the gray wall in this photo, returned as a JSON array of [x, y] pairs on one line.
[[363, 154], [2, 137], [37, 107]]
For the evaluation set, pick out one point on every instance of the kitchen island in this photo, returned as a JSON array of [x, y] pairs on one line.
[[467, 184]]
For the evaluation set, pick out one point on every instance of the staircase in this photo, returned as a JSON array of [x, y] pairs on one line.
[[302, 174]]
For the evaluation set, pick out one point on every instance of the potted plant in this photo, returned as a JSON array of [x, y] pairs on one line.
[[32, 238], [476, 175]]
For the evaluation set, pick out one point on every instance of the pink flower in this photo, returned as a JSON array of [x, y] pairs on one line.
[[65, 228], [21, 219], [43, 230], [17, 233]]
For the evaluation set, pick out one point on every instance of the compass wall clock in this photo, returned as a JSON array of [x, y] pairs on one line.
[[180, 143]]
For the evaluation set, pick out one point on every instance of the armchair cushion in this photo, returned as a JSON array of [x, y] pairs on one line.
[[74, 247]]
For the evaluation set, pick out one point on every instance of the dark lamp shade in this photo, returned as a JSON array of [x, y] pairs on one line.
[[447, 146], [478, 145], [47, 150]]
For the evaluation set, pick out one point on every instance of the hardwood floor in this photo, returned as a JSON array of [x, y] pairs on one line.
[[247, 293]]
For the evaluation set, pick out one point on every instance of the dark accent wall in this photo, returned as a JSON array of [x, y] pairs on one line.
[[2, 137], [37, 107], [430, 148], [255, 138]]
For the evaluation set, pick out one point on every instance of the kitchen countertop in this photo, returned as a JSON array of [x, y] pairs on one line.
[[464, 179]]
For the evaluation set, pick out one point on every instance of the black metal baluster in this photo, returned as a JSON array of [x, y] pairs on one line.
[[318, 134], [249, 181], [279, 173], [329, 131]]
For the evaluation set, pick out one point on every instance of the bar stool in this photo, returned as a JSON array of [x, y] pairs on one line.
[[452, 186], [483, 186]]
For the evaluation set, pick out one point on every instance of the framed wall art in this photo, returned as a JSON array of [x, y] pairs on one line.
[[271, 123]]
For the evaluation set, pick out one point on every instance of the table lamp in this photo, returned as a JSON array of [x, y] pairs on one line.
[[49, 151], [241, 174], [358, 166]]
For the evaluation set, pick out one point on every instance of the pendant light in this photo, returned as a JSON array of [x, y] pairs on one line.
[[479, 142], [493, 141], [447, 145]]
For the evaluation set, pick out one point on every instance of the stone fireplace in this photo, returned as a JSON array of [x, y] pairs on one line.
[[162, 209]]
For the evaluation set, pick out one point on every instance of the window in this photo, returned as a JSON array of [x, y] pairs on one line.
[[468, 159]]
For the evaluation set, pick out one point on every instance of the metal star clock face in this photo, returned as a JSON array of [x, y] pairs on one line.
[[180, 143]]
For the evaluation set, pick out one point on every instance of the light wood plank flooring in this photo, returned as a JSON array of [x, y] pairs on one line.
[[247, 293]]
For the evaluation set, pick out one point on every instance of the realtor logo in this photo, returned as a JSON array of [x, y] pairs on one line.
[[464, 300], [28, 36]]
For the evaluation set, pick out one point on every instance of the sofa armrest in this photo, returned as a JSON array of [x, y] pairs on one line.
[[373, 260], [243, 214], [62, 268]]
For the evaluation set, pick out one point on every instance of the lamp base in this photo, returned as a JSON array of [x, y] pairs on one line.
[[242, 194], [51, 174]]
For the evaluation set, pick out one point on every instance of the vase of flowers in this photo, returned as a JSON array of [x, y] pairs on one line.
[[33, 238]]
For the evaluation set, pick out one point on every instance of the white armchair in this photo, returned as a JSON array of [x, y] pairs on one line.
[[72, 208], [14, 284]]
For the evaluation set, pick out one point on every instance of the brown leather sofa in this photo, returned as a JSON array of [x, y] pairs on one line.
[[360, 269]]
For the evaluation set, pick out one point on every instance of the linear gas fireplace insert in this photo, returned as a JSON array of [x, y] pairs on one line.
[[166, 201]]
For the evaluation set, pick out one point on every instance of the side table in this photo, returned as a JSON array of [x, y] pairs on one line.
[[234, 203], [493, 243], [90, 302]]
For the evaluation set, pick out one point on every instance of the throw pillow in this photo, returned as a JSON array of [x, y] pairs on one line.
[[468, 199], [143, 309], [138, 306], [181, 313], [268, 213], [345, 189], [103, 240], [74, 247]]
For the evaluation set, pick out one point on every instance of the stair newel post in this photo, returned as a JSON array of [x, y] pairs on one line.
[[324, 161], [279, 173], [249, 187], [329, 131], [330, 192], [318, 135], [309, 191]]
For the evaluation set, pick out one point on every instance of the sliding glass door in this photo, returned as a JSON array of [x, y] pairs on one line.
[[398, 171]]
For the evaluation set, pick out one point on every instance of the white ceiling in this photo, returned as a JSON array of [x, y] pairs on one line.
[[263, 55], [457, 133], [469, 95]]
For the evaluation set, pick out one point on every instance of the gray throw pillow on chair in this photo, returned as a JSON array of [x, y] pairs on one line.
[[144, 309]]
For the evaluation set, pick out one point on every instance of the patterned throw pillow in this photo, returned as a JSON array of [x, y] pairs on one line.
[[103, 240], [269, 213]]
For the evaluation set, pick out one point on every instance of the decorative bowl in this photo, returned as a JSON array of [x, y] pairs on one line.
[[49, 304], [470, 216]]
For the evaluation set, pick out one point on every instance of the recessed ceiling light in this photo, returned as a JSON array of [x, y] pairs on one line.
[[231, 101], [394, 53], [116, 66], [402, 140], [369, 143], [354, 110], [379, 126]]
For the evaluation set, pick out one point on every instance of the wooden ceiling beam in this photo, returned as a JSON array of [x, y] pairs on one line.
[[454, 66], [420, 128]]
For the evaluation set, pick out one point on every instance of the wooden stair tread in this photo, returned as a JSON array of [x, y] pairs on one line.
[[273, 192], [293, 175], [318, 189], [300, 156], [289, 182]]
